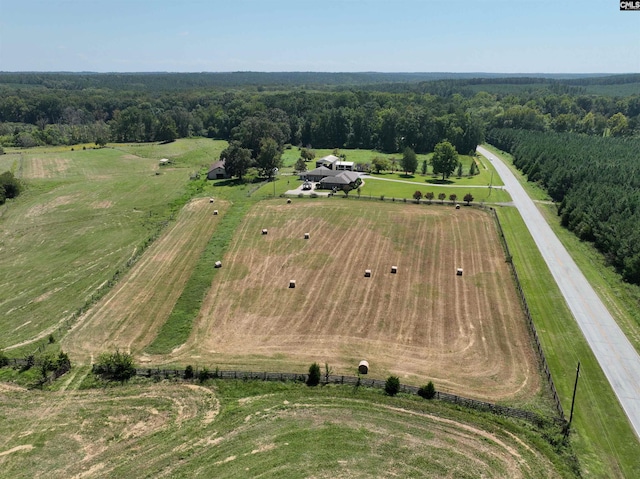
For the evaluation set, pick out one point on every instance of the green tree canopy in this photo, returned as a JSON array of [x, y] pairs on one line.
[[409, 160], [444, 159], [269, 157], [237, 159]]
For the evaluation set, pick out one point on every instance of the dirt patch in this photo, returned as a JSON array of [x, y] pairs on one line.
[[44, 208], [25, 447], [100, 205], [41, 168]]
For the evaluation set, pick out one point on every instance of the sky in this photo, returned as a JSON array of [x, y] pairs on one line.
[[495, 36]]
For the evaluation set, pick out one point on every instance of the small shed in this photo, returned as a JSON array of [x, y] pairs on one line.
[[363, 367], [394, 269], [218, 264], [459, 272], [264, 231], [292, 283], [367, 273]]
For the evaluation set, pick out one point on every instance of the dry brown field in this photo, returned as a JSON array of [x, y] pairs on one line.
[[466, 333], [129, 317]]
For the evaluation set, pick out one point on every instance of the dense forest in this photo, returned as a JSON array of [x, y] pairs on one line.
[[596, 181], [583, 147]]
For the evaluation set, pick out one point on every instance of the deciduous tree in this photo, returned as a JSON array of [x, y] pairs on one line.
[[444, 159], [237, 159], [409, 160]]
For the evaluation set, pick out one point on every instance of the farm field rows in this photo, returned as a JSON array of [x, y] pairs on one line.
[[128, 318], [466, 332]]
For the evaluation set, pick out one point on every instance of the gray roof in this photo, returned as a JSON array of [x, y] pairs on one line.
[[322, 171], [343, 178]]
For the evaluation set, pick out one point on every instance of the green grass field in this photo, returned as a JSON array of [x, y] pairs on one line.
[[602, 437], [240, 429], [86, 214]]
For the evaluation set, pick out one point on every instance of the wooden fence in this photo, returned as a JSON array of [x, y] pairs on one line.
[[356, 381]]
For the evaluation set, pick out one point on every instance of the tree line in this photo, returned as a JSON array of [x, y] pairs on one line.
[[53, 109], [594, 180]]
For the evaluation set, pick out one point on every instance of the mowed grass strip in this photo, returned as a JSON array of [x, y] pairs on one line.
[[177, 327], [602, 437], [129, 317], [248, 429]]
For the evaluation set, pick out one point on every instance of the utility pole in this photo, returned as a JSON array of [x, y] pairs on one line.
[[573, 401]]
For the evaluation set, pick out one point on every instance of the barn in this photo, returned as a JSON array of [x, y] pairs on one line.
[[217, 171]]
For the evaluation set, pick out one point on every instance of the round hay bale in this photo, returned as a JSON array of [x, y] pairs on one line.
[[306, 236], [363, 367], [264, 231], [215, 212], [292, 283], [367, 273], [210, 200], [289, 201], [394, 269], [459, 272], [218, 264]]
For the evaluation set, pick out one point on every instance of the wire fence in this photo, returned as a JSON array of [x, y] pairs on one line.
[[355, 381], [532, 327]]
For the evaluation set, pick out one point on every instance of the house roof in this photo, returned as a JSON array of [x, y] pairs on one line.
[[217, 164], [322, 171], [343, 178], [329, 158]]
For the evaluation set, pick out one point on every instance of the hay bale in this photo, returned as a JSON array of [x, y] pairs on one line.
[[215, 212], [289, 201], [264, 231], [218, 264], [210, 200], [363, 367], [292, 283], [394, 269], [457, 207], [367, 273], [306, 236], [459, 272]]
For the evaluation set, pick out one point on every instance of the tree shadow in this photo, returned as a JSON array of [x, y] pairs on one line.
[[435, 181], [406, 175]]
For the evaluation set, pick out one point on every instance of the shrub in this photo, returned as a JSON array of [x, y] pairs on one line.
[[203, 375], [314, 375], [115, 366], [4, 360], [392, 386], [428, 391], [188, 372]]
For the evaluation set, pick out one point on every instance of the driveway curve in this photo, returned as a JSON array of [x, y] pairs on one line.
[[615, 354]]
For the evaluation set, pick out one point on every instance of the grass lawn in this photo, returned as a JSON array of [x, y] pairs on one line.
[[602, 437]]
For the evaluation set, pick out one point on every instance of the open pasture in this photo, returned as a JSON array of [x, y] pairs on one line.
[[466, 333], [83, 215], [239, 429], [130, 315]]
